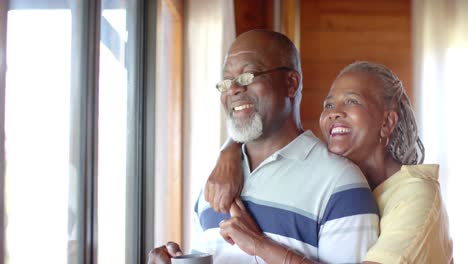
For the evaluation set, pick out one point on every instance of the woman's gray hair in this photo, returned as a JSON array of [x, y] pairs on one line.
[[405, 144]]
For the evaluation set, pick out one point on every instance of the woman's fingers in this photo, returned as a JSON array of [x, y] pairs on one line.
[[207, 191], [235, 210], [221, 199], [239, 203], [226, 180]]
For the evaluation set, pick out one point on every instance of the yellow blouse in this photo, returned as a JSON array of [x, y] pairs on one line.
[[413, 221]]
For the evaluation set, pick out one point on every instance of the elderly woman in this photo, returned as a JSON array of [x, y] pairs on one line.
[[367, 117]]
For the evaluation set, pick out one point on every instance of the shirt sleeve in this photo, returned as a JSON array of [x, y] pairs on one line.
[[413, 212], [350, 223], [197, 238], [197, 243]]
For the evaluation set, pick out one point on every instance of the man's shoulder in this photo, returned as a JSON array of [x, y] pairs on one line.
[[322, 158], [311, 159], [318, 150]]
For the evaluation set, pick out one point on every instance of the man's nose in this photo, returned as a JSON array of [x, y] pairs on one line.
[[236, 88]]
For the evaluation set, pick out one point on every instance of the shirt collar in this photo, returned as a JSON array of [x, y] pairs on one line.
[[297, 149], [300, 147]]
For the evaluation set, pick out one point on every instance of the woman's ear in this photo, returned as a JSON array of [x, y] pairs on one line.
[[389, 123], [293, 83]]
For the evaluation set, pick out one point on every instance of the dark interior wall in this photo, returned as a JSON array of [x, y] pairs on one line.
[[252, 14]]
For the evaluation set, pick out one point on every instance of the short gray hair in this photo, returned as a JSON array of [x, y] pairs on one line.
[[405, 144]]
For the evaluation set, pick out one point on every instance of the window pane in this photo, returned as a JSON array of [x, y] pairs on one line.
[[37, 122], [43, 140], [113, 81]]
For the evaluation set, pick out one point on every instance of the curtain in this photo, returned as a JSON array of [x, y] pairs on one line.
[[209, 32], [441, 92]]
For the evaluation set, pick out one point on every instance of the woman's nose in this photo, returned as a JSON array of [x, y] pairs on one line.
[[336, 114]]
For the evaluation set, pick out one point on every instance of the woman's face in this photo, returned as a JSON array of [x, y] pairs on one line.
[[352, 116]]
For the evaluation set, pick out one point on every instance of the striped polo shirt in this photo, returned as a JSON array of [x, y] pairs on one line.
[[305, 198]]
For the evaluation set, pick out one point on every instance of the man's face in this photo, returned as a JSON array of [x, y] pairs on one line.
[[254, 109]]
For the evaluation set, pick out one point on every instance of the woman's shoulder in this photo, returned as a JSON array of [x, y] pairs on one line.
[[415, 187], [418, 179], [428, 172], [410, 180]]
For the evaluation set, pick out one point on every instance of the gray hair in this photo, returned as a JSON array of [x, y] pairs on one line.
[[405, 144]]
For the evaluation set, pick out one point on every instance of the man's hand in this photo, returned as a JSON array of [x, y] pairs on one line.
[[241, 228], [226, 180], [163, 254]]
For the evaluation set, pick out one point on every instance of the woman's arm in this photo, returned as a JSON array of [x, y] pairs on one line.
[[226, 180], [242, 230]]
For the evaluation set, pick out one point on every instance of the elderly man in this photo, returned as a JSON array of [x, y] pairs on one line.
[[300, 203]]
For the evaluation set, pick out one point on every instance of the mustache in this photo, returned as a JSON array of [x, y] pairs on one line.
[[240, 98]]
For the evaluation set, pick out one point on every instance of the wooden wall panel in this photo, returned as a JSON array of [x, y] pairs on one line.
[[335, 33], [252, 14]]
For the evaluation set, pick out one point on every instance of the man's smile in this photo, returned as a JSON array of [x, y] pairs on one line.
[[242, 107]]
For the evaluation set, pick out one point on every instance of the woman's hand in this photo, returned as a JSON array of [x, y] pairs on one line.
[[226, 180], [241, 228]]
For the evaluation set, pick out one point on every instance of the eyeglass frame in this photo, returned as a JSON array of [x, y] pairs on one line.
[[222, 87]]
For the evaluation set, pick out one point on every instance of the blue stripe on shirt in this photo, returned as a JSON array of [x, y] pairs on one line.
[[350, 202], [196, 203], [271, 220], [210, 219]]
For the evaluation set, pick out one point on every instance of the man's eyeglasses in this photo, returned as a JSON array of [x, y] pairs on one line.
[[245, 79]]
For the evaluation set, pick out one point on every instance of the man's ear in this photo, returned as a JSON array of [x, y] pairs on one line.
[[293, 83], [389, 123]]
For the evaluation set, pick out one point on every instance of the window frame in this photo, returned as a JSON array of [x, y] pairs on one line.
[[140, 172], [149, 153], [3, 29], [85, 84]]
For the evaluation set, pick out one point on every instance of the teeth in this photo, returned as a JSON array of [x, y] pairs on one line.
[[340, 130], [242, 107]]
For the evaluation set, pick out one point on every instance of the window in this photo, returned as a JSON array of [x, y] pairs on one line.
[[37, 128], [77, 122], [113, 84]]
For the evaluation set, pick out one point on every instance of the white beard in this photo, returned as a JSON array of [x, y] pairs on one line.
[[245, 131]]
